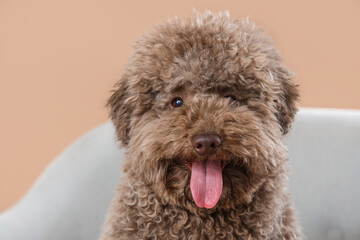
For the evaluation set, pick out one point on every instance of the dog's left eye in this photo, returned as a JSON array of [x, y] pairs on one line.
[[177, 102], [231, 97]]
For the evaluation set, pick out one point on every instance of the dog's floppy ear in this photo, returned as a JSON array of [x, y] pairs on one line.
[[121, 109], [285, 103]]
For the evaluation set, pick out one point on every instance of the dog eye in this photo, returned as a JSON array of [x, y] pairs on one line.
[[231, 97], [177, 102]]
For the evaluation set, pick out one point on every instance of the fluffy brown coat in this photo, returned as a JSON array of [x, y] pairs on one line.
[[232, 83]]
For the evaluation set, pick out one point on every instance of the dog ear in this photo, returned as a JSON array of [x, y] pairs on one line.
[[121, 109], [285, 103]]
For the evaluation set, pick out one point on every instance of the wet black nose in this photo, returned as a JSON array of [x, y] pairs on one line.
[[206, 144]]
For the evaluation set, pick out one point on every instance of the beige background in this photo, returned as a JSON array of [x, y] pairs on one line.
[[60, 58]]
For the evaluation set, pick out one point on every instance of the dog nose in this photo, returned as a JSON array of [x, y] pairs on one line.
[[206, 144]]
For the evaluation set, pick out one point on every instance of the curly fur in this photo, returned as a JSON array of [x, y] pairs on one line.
[[202, 60]]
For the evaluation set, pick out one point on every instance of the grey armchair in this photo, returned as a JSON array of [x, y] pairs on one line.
[[70, 199]]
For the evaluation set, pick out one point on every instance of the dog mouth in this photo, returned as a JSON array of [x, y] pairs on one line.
[[223, 163], [206, 181]]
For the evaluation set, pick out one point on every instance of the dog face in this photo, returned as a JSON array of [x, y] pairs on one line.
[[201, 108]]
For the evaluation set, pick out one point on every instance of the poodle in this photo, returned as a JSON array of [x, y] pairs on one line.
[[201, 109]]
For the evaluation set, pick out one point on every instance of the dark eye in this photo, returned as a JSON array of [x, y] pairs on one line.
[[177, 102], [231, 97]]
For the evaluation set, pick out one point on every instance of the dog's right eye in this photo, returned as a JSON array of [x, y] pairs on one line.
[[177, 102]]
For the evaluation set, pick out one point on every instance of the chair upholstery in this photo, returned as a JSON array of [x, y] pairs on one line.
[[324, 149], [70, 199]]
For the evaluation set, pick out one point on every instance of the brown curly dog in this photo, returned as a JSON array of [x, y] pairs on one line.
[[201, 109]]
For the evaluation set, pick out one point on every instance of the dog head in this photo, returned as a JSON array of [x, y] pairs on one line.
[[201, 108]]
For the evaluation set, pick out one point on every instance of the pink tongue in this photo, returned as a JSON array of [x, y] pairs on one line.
[[206, 183]]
